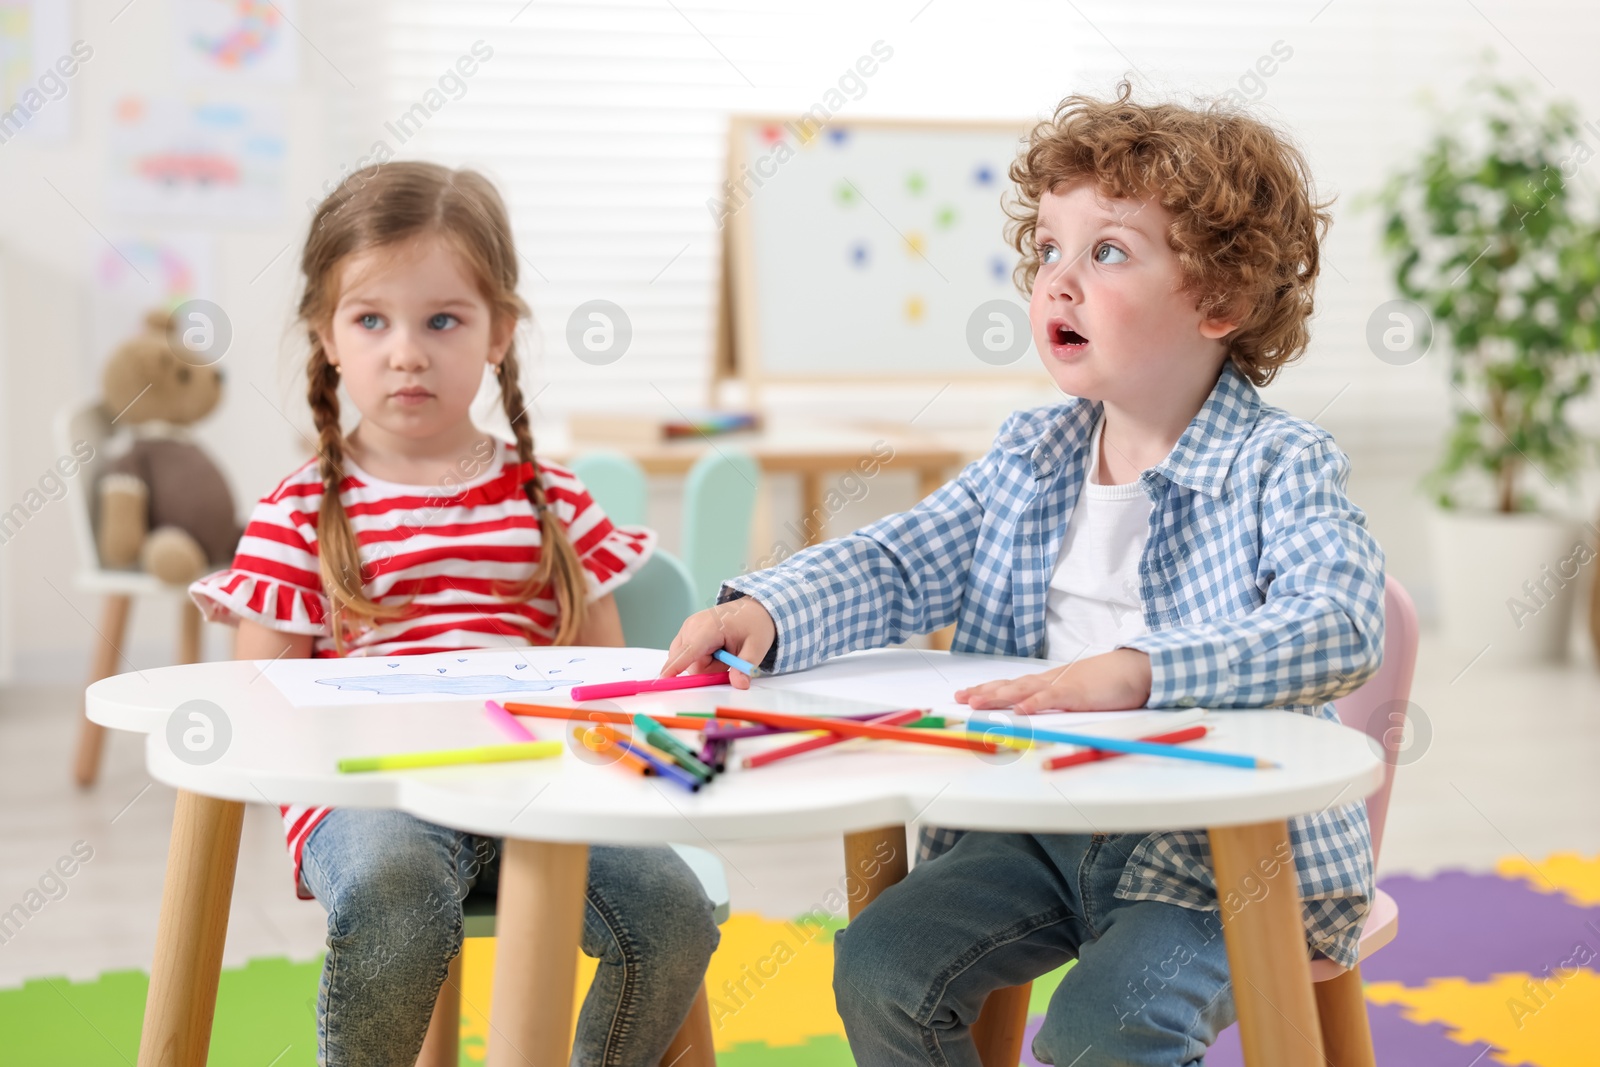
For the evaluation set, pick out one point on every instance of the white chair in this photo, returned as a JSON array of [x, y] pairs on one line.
[[91, 423]]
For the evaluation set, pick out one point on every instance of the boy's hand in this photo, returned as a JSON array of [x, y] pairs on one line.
[[741, 626], [1115, 681]]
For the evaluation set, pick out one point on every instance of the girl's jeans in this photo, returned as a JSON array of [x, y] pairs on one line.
[[1150, 988], [393, 884]]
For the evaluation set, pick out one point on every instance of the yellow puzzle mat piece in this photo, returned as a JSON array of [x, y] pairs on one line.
[[1578, 877], [1550, 1020], [769, 981]]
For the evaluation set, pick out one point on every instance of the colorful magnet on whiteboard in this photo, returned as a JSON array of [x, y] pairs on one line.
[[997, 267], [915, 243], [946, 217], [838, 134], [914, 309], [846, 193], [983, 175], [772, 133], [915, 183], [860, 254]]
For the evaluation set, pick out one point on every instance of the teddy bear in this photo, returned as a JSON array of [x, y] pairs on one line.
[[164, 506]]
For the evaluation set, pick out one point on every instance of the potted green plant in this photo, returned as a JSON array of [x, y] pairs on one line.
[[1490, 236]]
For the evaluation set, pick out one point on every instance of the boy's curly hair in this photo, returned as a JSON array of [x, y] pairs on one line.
[[1245, 227]]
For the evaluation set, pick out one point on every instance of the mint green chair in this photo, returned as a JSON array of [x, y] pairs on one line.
[[719, 504], [617, 484], [655, 601]]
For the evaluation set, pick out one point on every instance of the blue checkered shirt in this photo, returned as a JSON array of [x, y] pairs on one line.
[[1262, 588]]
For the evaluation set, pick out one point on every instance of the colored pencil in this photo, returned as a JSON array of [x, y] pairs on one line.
[[507, 722], [681, 754], [1019, 743], [450, 757], [722, 730], [1093, 755], [598, 743], [761, 759], [632, 687], [851, 728], [593, 715], [750, 669], [1117, 744], [664, 768]]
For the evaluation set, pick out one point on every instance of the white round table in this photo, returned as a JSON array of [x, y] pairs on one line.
[[549, 811]]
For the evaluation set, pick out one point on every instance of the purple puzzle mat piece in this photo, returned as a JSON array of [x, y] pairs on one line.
[[1394, 1040], [1473, 926]]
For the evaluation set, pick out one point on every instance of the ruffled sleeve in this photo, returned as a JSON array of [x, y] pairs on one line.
[[611, 554], [274, 581]]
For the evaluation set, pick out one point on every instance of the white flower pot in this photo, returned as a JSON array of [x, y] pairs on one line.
[[1508, 582]]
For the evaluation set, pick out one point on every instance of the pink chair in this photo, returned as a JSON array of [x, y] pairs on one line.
[[1377, 709]]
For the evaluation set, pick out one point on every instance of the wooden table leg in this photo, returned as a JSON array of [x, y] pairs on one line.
[[193, 926], [998, 1030], [1267, 955], [441, 1045], [189, 621], [865, 860], [813, 514], [107, 649], [538, 928]]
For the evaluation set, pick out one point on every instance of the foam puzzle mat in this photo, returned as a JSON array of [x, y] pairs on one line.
[[1499, 968]]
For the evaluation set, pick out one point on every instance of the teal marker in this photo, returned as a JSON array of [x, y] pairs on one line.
[[735, 662], [682, 754]]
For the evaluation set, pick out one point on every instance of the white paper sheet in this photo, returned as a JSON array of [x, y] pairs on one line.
[[528, 673], [910, 678], [889, 679]]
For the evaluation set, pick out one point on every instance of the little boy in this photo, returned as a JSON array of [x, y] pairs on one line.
[[1173, 537]]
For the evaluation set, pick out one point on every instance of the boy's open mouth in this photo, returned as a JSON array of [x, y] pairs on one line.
[[1062, 334]]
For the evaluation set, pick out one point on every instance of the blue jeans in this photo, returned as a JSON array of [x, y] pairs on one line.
[[911, 972], [393, 884]]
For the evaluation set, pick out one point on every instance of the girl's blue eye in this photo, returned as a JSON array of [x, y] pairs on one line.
[[1109, 247], [370, 321], [441, 321], [1048, 254]]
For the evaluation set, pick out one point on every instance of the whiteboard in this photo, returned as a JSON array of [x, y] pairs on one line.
[[874, 250]]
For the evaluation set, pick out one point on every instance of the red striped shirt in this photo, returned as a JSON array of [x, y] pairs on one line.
[[445, 550]]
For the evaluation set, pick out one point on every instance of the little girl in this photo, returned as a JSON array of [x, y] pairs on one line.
[[416, 533]]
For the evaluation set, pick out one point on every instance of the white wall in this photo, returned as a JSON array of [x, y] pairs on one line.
[[1349, 93]]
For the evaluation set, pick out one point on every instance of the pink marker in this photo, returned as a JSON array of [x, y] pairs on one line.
[[607, 690], [508, 722]]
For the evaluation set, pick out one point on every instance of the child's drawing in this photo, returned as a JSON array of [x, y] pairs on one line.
[[467, 685]]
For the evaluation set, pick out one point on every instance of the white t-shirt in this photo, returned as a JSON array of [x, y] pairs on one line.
[[1094, 603]]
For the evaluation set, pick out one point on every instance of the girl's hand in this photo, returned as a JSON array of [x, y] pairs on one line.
[[741, 626], [1118, 680]]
